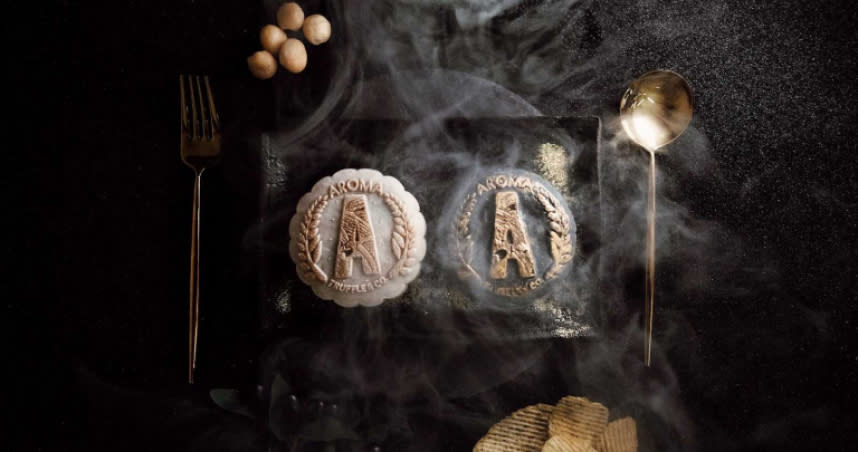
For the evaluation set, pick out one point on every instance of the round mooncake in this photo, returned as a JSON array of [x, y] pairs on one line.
[[357, 238]]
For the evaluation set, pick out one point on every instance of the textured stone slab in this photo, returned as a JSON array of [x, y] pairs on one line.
[[357, 238]]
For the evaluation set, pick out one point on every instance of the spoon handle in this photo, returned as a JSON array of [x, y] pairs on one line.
[[649, 285]]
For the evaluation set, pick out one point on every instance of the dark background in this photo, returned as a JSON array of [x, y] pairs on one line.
[[98, 291]]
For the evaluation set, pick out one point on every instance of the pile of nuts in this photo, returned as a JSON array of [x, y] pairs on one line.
[[290, 51]]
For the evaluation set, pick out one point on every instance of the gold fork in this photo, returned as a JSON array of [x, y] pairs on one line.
[[200, 147]]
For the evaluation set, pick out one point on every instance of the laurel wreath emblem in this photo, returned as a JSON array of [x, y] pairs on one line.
[[464, 244], [562, 248], [403, 241], [310, 242]]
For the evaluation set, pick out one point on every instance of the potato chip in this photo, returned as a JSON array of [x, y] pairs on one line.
[[619, 436], [579, 418], [566, 443], [526, 430]]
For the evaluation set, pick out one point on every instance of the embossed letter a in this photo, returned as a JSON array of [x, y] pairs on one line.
[[510, 240], [356, 239]]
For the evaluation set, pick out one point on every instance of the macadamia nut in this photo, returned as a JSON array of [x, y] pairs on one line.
[[262, 65], [290, 16], [293, 55], [317, 29], [272, 37]]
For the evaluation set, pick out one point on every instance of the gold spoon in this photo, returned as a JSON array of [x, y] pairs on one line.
[[655, 110]]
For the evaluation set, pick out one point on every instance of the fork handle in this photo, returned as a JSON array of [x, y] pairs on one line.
[[194, 302]]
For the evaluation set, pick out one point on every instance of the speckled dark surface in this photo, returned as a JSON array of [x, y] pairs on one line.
[[759, 308]]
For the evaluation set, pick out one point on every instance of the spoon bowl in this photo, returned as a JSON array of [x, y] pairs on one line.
[[656, 108]]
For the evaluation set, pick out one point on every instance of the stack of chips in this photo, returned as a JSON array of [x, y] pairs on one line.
[[575, 424]]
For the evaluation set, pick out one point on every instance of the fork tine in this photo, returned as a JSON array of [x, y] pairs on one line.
[[194, 116], [184, 104], [215, 120], [204, 132]]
